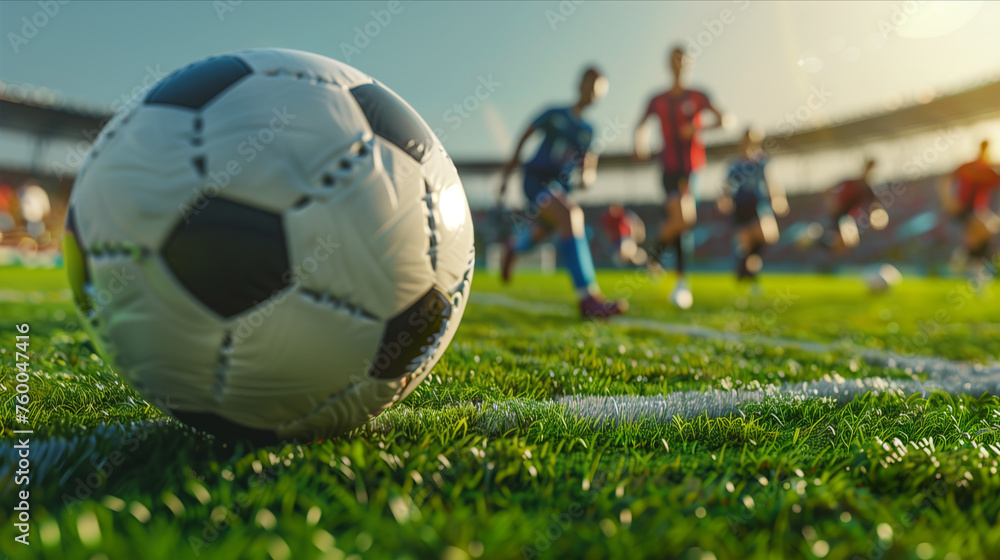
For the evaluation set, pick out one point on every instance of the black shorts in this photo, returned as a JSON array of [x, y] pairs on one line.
[[744, 208], [672, 182]]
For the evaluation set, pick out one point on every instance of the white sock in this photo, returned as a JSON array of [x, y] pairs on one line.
[[589, 291]]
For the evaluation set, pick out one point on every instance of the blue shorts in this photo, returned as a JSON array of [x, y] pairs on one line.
[[538, 189]]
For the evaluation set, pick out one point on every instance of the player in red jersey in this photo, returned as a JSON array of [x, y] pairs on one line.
[[966, 194], [679, 110], [8, 206], [849, 200], [626, 232]]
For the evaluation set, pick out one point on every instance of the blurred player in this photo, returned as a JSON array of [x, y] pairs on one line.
[[848, 201], [35, 208], [8, 205], [679, 110], [548, 178], [966, 194], [627, 232], [753, 202]]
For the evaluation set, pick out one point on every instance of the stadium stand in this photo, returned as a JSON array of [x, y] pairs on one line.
[[918, 235]]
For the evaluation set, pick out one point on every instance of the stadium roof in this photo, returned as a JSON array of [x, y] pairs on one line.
[[967, 106], [49, 120]]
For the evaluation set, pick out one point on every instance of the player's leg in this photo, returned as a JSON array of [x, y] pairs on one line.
[[568, 220], [688, 217], [980, 228], [527, 232], [742, 250], [638, 237], [575, 251], [843, 233], [681, 296], [849, 235], [750, 244], [627, 249], [680, 210], [762, 232], [748, 235], [672, 225]]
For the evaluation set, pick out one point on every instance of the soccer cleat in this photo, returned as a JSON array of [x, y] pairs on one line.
[[681, 297], [593, 308], [507, 263]]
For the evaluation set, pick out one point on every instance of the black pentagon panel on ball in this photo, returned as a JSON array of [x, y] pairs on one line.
[[199, 83], [230, 256], [391, 118], [411, 337]]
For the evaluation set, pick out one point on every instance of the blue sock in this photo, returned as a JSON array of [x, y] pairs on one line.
[[576, 253], [524, 239]]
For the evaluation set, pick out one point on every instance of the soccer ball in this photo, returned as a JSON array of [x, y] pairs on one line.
[[270, 245], [883, 278]]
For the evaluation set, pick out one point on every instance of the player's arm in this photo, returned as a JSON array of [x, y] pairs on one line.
[[588, 173], [640, 143], [779, 202], [715, 113], [513, 163], [688, 129]]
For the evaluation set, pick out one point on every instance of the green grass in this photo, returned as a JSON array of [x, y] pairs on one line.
[[479, 462]]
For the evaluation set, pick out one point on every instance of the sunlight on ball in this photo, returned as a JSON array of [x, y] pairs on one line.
[[453, 207]]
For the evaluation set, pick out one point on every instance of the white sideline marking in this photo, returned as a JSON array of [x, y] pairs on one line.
[[933, 366], [950, 376], [498, 418], [715, 402]]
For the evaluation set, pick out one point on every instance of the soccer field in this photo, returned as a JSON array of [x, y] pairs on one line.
[[811, 421]]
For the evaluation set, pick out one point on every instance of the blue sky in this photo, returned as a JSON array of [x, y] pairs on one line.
[[758, 61]]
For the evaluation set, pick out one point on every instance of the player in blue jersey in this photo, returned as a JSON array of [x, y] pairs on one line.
[[563, 161], [753, 202]]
